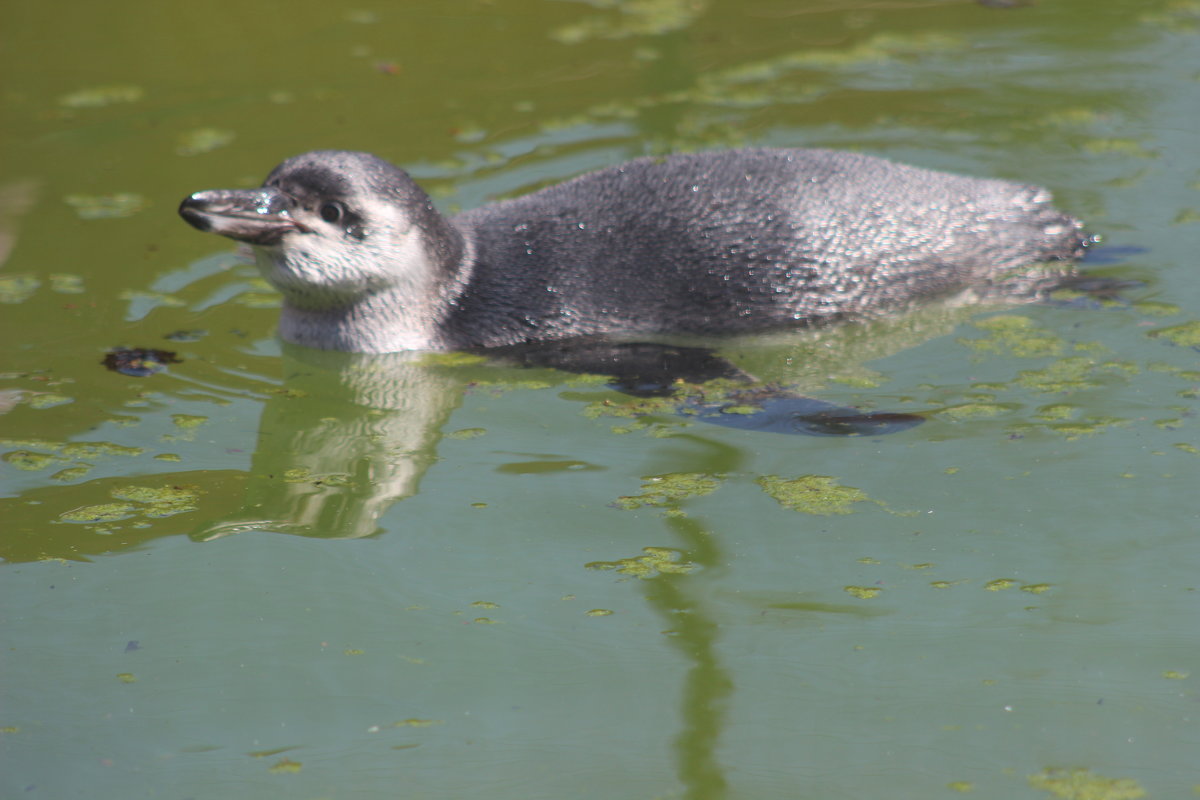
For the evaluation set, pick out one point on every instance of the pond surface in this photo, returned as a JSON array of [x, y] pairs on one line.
[[266, 572]]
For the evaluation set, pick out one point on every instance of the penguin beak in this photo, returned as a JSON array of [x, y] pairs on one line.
[[254, 216]]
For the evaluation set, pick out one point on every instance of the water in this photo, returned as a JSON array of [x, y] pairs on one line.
[[1007, 606]]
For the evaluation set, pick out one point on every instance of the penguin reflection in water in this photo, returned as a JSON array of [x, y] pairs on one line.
[[581, 274]]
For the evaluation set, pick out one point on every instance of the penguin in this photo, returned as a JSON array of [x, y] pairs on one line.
[[702, 244]]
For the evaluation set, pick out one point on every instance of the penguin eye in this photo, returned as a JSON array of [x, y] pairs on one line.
[[332, 212]]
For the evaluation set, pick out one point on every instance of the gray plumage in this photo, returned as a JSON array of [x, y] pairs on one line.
[[709, 243]]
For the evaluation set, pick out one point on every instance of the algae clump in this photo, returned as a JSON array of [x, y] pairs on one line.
[[1014, 335], [1184, 335], [813, 494], [165, 501], [1083, 784], [654, 561], [670, 489]]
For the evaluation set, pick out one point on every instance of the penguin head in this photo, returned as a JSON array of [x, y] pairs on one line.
[[331, 227]]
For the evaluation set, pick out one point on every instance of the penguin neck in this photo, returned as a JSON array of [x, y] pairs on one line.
[[380, 323], [406, 314]]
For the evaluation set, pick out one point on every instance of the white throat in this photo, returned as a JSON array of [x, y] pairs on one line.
[[366, 300]]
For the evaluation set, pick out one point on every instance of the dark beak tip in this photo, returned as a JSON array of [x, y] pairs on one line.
[[192, 210]]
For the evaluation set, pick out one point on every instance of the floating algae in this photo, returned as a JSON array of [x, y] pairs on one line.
[[813, 494]]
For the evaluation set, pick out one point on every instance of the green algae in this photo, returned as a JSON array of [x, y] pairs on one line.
[[1153, 308], [879, 49], [670, 489], [29, 460], [188, 421], [598, 612], [652, 428], [285, 765], [100, 513], [1086, 427], [131, 502], [1127, 368], [1014, 335], [499, 387], [66, 284], [71, 473], [981, 410], [303, 475], [653, 561], [863, 592], [1186, 334], [94, 450], [107, 206], [453, 359], [631, 408], [17, 288], [203, 140], [813, 494], [1070, 374], [1000, 584], [740, 409], [162, 501], [1056, 412], [32, 444], [587, 381], [1083, 784]]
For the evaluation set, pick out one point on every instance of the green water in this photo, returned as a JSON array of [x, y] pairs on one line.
[[271, 573]]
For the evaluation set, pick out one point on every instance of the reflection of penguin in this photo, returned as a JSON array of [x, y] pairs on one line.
[[723, 242]]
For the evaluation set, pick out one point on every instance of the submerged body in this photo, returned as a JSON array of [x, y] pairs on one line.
[[711, 243]]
